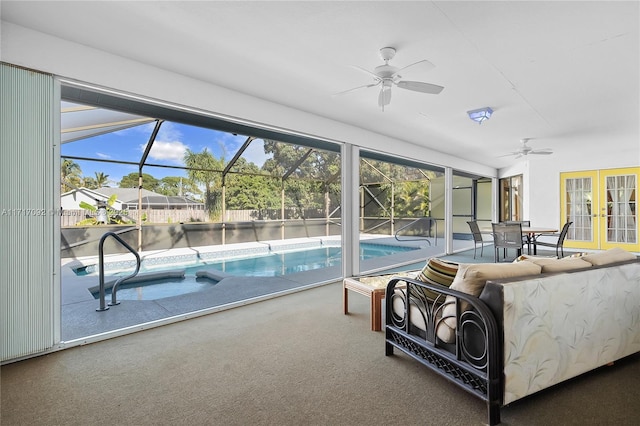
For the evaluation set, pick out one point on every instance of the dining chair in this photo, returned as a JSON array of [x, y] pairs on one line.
[[506, 236], [525, 237], [477, 237], [558, 244]]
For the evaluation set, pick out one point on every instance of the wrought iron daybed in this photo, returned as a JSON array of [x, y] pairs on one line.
[[507, 342], [472, 361]]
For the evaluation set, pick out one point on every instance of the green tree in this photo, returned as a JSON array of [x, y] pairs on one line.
[[412, 199], [101, 179], [205, 169], [410, 189], [89, 182], [148, 181], [178, 185], [70, 174], [311, 174], [252, 192]]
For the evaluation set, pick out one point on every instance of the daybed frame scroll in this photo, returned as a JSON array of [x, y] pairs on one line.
[[473, 361]]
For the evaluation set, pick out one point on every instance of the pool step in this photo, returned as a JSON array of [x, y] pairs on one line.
[[213, 274], [142, 277]]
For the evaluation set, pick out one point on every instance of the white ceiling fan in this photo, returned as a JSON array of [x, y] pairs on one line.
[[526, 150], [386, 76]]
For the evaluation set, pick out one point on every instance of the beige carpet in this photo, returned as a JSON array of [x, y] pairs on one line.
[[294, 360]]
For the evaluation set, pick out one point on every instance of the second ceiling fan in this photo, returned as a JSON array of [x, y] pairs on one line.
[[526, 150], [386, 76]]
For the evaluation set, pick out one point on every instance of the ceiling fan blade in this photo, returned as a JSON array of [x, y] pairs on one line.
[[366, 72], [424, 65], [418, 86], [541, 152], [510, 154], [356, 88]]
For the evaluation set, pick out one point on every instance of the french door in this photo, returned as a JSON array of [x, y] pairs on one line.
[[602, 206]]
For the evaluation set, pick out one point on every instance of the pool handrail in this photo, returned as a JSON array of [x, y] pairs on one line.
[[431, 221], [103, 306]]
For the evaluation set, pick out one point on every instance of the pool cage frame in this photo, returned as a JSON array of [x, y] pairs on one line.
[[378, 212]]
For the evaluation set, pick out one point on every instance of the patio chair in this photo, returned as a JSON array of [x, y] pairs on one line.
[[477, 237], [525, 237], [507, 236], [558, 244]]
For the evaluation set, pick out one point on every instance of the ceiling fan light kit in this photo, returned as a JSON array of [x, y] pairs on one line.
[[386, 76], [480, 115]]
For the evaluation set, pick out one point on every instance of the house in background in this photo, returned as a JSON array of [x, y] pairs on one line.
[[71, 200], [158, 208], [151, 200]]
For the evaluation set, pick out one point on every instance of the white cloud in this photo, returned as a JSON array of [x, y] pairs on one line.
[[167, 151], [101, 155], [169, 132], [255, 153]]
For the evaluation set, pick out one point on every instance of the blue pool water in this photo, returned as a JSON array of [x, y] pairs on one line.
[[276, 264], [269, 265], [262, 265], [159, 289]]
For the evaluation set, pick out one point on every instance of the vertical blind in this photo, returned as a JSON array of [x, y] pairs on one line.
[[27, 215]]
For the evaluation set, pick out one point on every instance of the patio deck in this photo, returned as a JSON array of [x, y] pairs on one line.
[[80, 321]]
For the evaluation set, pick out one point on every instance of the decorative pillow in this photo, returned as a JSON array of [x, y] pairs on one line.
[[561, 265], [438, 271], [610, 256], [471, 279]]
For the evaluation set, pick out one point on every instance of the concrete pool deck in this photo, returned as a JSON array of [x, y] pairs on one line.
[[80, 320]]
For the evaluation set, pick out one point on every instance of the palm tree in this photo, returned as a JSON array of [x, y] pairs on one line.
[[70, 174], [205, 169], [101, 179]]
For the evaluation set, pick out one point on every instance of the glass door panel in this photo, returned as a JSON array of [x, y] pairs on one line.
[[578, 199], [618, 213]]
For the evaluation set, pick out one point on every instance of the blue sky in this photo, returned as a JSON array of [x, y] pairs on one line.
[[168, 149]]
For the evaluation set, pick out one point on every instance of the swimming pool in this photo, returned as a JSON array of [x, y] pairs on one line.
[[269, 263]]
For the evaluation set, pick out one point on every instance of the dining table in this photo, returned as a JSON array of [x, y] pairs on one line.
[[533, 232], [530, 233]]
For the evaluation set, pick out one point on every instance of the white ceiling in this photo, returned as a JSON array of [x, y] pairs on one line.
[[565, 74]]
